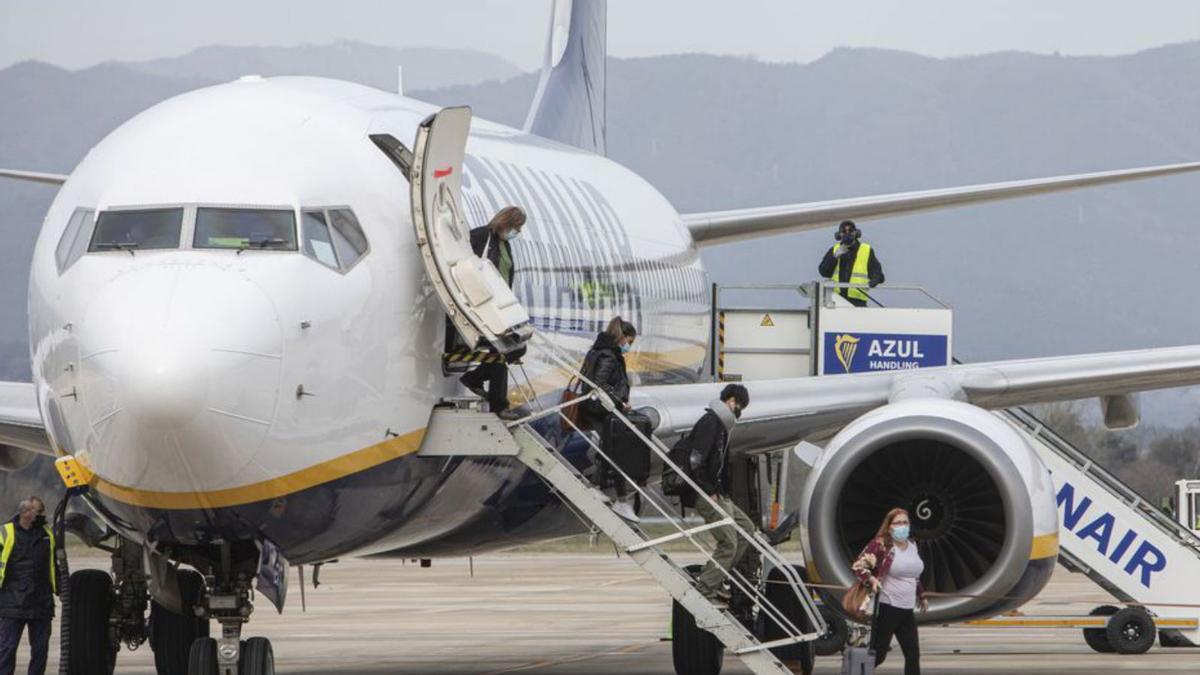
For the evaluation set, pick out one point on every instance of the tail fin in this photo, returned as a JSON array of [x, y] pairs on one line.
[[569, 105]]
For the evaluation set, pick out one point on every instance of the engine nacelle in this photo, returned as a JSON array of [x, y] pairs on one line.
[[981, 503]]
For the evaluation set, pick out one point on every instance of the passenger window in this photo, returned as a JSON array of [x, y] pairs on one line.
[[273, 229], [137, 230], [74, 239], [348, 237], [317, 243]]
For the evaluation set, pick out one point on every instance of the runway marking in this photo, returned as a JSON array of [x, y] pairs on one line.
[[577, 658]]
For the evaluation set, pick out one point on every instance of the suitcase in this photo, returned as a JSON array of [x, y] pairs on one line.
[[625, 449], [861, 660], [858, 661]]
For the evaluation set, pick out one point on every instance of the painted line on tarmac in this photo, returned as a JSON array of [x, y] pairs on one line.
[[577, 658]]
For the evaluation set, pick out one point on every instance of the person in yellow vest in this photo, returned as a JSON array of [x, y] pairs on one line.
[[28, 584], [852, 261]]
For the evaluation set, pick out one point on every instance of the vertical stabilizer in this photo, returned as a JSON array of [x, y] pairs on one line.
[[569, 105]]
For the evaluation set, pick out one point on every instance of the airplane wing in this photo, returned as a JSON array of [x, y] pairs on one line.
[[783, 411], [21, 427], [34, 176], [718, 227]]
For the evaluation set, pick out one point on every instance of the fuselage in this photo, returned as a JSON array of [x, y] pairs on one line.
[[279, 388]]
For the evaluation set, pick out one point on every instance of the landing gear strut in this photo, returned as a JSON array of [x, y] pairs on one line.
[[229, 603]]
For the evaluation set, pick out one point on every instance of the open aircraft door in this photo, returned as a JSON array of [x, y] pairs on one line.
[[477, 300]]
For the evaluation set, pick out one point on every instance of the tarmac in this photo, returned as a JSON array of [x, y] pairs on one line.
[[586, 614]]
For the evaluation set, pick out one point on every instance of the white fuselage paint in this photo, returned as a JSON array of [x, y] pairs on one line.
[[176, 372]]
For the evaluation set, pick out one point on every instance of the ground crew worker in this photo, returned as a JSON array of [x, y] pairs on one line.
[[710, 438], [493, 242], [27, 586], [852, 261]]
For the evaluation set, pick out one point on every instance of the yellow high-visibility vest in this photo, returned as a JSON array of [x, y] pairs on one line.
[[858, 273], [8, 540]]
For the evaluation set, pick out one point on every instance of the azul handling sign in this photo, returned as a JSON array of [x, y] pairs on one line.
[[874, 352]]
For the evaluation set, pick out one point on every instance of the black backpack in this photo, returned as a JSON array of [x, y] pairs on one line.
[[687, 458]]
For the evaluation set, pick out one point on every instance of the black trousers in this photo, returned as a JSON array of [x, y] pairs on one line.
[[39, 644], [496, 376], [901, 623]]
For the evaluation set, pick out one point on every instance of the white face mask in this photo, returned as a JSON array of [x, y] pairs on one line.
[[511, 234]]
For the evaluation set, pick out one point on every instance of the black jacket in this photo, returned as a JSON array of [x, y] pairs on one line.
[[480, 237], [605, 365], [711, 439], [27, 593], [874, 268]]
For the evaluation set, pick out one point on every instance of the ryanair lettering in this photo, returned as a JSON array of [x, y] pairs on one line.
[[1140, 561]]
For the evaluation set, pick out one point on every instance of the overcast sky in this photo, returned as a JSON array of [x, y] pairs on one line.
[[79, 33]]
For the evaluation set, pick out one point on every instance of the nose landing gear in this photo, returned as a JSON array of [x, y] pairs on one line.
[[229, 603]]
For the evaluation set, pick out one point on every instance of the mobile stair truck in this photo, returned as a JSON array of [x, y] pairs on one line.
[[1126, 545], [776, 622]]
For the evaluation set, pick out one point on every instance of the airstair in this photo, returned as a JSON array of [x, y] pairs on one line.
[[460, 429], [1123, 543]]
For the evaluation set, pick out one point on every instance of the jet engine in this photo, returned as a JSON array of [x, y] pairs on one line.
[[980, 500]]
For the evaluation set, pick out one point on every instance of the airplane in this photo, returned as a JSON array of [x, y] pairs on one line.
[[236, 330]]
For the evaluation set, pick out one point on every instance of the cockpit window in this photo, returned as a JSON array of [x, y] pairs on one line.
[[333, 238], [137, 230], [317, 244], [348, 237], [74, 239], [273, 229]]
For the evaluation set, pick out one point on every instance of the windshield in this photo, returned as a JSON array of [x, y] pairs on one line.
[[245, 229], [140, 230]]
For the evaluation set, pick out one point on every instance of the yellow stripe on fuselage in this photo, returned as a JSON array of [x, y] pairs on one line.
[[315, 475], [355, 462]]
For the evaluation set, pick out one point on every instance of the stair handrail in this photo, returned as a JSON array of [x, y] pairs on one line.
[[767, 552]]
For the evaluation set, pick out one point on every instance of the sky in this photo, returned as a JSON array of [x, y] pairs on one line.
[[80, 33]]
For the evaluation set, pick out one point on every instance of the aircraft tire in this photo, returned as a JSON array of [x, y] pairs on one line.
[[694, 651], [202, 657], [172, 635], [1131, 631], [834, 639], [1097, 638], [799, 657], [257, 657], [91, 650]]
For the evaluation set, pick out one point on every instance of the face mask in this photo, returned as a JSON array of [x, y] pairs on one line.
[[511, 234], [39, 522], [900, 532], [737, 412], [847, 238], [626, 347]]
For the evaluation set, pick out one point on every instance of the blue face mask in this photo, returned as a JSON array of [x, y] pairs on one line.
[[511, 234], [900, 532], [626, 347]]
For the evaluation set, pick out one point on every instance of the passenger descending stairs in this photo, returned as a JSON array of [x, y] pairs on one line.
[[458, 429]]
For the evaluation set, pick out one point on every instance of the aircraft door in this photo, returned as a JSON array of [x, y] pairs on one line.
[[477, 300]]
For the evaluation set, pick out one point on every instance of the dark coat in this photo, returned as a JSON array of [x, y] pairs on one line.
[[711, 439], [480, 238], [874, 268], [605, 365], [27, 593]]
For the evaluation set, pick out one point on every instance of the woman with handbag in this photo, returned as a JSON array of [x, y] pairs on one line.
[[604, 365], [891, 566]]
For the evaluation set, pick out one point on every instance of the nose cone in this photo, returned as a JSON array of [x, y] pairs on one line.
[[179, 376]]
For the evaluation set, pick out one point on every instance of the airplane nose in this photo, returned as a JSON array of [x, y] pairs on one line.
[[179, 377]]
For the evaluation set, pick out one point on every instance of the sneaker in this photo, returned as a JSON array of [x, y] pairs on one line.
[[509, 414], [716, 599], [624, 508]]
